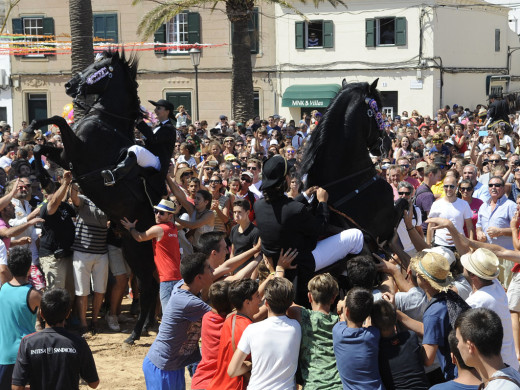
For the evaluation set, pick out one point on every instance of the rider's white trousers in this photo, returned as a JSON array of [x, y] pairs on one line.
[[336, 247], [145, 158]]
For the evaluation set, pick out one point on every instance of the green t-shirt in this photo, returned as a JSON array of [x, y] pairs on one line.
[[317, 360]]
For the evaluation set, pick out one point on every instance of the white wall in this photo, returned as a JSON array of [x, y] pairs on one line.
[[5, 93]]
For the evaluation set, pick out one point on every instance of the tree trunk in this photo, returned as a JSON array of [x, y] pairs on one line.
[[242, 99], [80, 13]]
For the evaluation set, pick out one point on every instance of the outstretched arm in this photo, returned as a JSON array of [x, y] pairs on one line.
[[154, 232]]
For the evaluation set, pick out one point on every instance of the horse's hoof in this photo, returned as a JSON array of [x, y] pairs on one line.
[[129, 341]]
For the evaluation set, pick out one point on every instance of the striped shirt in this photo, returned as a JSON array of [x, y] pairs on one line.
[[91, 228]]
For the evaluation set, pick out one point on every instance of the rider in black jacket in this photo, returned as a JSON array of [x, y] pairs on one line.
[[159, 144], [498, 109]]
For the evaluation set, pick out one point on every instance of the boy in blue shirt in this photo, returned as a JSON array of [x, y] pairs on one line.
[[357, 348]]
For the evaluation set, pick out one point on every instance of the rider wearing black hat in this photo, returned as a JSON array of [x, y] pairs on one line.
[[285, 223], [498, 109], [159, 144]]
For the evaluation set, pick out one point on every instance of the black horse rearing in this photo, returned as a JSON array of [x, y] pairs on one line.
[[99, 141], [337, 159]]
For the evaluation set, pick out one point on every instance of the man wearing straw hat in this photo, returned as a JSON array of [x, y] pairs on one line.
[[434, 277], [166, 250], [481, 269]]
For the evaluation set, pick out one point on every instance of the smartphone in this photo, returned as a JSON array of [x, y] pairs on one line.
[[483, 133]]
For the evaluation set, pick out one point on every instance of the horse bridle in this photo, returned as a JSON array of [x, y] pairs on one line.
[[373, 111]]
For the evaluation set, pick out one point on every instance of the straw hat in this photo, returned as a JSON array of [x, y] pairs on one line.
[[180, 172], [482, 263], [166, 205], [445, 252], [482, 112], [434, 268]]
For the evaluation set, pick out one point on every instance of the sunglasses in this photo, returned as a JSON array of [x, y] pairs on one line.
[[290, 151], [209, 168], [465, 189], [252, 168], [215, 181], [488, 152], [239, 144], [405, 193], [243, 158], [516, 170], [159, 212], [494, 161], [449, 186], [438, 142], [405, 166], [21, 186], [497, 185]]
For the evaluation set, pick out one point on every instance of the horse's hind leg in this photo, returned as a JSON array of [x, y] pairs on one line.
[[149, 289]]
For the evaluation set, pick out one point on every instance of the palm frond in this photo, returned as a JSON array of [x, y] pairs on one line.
[[163, 12]]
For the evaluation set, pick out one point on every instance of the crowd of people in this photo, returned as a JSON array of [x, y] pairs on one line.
[[240, 246]]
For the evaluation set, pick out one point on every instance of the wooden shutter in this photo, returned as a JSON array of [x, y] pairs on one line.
[[17, 29], [194, 27], [48, 29], [370, 32], [328, 33], [105, 27], [299, 35], [400, 31], [160, 37]]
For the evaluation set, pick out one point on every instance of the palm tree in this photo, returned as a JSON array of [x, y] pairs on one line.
[[80, 14], [238, 12]]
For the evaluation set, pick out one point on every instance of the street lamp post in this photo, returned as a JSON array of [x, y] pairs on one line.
[[195, 61]]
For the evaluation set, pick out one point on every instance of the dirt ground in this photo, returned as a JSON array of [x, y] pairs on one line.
[[119, 365]]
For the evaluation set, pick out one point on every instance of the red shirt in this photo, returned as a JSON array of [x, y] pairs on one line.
[[413, 181], [221, 380], [210, 339], [166, 254], [516, 267]]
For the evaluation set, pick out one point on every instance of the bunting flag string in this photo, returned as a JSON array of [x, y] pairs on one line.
[[26, 45]]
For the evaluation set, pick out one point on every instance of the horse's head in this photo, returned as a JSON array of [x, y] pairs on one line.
[[95, 78]]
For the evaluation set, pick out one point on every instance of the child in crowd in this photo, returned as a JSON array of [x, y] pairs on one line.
[[244, 235], [317, 361], [356, 347], [244, 296], [400, 361], [212, 323], [272, 343], [54, 358]]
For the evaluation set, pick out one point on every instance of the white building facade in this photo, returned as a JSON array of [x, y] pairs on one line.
[[425, 55]]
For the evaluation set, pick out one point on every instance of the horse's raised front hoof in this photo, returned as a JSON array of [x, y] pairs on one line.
[[132, 338]]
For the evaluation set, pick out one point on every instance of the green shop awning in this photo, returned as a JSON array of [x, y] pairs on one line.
[[309, 95]]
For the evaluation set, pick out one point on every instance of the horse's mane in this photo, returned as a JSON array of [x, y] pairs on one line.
[[332, 123], [130, 66]]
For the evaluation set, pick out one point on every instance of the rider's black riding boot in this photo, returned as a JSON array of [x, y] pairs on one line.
[[122, 169]]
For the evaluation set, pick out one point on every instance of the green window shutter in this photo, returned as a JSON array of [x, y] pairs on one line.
[[328, 33], [105, 27], [160, 37], [400, 31], [254, 31], [193, 27], [48, 29], [370, 32], [18, 29], [299, 35]]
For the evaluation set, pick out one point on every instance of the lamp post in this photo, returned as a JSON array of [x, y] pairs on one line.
[[195, 61]]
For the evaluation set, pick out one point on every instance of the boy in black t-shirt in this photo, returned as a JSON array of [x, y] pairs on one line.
[[244, 235], [54, 359]]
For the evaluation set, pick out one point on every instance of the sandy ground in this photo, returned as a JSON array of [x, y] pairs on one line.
[[119, 365]]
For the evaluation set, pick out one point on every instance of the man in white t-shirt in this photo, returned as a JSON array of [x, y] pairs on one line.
[[273, 343], [481, 270], [452, 208]]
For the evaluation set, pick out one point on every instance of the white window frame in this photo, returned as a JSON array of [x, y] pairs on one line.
[[29, 29], [177, 32], [378, 32]]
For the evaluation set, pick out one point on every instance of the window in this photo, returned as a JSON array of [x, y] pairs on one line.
[[314, 34], [256, 103], [497, 39], [3, 113], [385, 32], [105, 27], [253, 30], [36, 28], [183, 28]]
